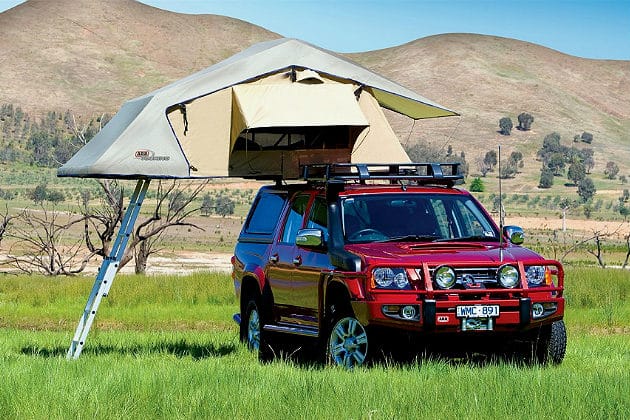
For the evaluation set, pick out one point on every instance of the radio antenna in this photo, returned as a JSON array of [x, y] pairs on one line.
[[500, 210]]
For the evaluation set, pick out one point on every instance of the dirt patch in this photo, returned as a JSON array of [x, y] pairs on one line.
[[620, 229]]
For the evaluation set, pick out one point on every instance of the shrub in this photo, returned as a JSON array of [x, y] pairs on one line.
[[505, 124], [525, 121], [477, 185]]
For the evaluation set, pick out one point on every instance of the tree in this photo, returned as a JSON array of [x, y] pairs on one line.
[[102, 220], [551, 143], [508, 170], [586, 137], [482, 166], [505, 124], [45, 244], [556, 163], [588, 159], [576, 172], [525, 121], [39, 194], [546, 178], [586, 189], [623, 179], [55, 197], [224, 205], [424, 152], [207, 205], [477, 185], [148, 233], [611, 171], [516, 158], [5, 220], [490, 159]]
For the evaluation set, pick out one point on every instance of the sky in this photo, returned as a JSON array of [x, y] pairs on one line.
[[591, 29]]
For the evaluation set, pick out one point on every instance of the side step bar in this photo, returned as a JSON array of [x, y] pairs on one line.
[[286, 328]]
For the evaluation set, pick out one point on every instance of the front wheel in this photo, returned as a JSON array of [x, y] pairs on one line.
[[252, 332], [552, 343], [251, 326], [347, 343]]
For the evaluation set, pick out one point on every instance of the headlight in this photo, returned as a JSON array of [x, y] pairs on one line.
[[535, 275], [445, 277], [390, 278], [508, 276]]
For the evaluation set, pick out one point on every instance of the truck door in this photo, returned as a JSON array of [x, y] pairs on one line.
[[282, 261], [307, 274]]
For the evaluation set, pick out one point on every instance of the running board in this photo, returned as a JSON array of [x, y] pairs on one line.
[[292, 329], [289, 329]]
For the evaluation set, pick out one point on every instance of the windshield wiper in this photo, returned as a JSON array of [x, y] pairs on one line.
[[411, 238], [470, 238]]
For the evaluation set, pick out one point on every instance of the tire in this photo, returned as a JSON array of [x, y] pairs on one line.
[[551, 344], [347, 343], [252, 332]]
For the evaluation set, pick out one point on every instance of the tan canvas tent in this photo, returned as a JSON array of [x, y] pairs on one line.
[[258, 114]]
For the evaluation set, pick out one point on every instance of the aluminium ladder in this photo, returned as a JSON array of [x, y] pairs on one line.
[[108, 270]]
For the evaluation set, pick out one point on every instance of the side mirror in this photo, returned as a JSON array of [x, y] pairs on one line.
[[310, 238], [515, 234]]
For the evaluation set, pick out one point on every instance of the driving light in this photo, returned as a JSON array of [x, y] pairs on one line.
[[390, 278], [508, 276], [408, 312], [535, 275], [538, 310], [445, 277]]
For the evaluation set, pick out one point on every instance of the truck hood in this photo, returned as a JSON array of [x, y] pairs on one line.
[[437, 253]]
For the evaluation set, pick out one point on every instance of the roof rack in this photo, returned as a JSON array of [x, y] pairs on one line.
[[421, 173]]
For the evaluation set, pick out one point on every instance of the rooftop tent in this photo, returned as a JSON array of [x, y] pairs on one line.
[[259, 114]]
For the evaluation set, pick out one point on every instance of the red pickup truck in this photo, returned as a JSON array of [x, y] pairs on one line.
[[358, 253]]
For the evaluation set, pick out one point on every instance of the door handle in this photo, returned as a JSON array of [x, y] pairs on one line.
[[273, 258], [297, 260]]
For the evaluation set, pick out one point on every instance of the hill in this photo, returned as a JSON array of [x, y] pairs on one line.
[[89, 56]]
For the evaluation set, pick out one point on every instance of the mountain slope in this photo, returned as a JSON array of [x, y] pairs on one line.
[[90, 56], [486, 78]]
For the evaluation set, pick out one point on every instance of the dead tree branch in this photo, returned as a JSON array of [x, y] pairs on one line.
[[174, 205], [41, 246]]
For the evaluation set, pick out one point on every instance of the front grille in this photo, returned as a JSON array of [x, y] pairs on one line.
[[469, 277]]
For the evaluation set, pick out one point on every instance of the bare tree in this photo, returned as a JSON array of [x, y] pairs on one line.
[[42, 246], [597, 236], [104, 219], [625, 262], [173, 206], [5, 220]]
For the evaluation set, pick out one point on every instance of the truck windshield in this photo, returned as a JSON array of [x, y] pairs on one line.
[[415, 217]]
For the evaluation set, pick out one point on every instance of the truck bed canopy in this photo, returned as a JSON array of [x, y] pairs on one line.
[[259, 114]]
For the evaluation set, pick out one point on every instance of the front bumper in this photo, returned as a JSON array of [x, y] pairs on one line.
[[440, 315]]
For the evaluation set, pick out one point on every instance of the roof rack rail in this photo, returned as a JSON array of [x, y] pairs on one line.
[[421, 173]]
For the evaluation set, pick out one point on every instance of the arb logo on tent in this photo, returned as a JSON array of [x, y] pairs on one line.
[[146, 154]]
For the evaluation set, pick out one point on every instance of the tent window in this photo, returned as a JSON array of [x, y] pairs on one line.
[[296, 138]]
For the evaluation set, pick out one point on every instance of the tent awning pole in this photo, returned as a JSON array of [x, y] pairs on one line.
[[108, 270]]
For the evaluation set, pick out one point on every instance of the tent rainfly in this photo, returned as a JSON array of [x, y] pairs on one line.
[[259, 114]]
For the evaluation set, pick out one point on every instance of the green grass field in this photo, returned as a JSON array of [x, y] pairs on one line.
[[166, 347]]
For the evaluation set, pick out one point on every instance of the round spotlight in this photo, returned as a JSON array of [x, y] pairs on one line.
[[538, 310], [535, 275], [383, 277], [508, 276], [408, 312], [445, 277]]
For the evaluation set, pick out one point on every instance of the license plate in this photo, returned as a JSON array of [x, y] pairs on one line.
[[478, 311]]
